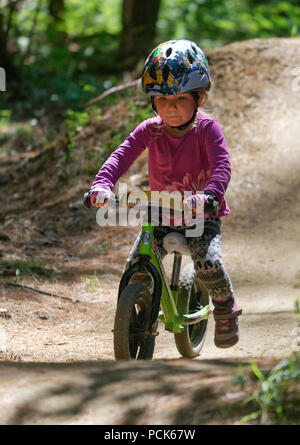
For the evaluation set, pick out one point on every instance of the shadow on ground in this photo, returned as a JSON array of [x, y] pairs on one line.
[[157, 392]]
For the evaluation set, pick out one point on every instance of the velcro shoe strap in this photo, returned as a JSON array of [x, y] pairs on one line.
[[225, 316]]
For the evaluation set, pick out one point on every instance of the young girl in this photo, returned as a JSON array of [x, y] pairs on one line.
[[186, 152]]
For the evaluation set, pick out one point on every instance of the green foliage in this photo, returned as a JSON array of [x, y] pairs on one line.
[[5, 117], [91, 17], [297, 306], [92, 281], [74, 123], [238, 378], [31, 267], [64, 63], [212, 23], [278, 394]]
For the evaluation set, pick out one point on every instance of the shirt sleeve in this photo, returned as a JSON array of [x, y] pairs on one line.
[[218, 158], [122, 158]]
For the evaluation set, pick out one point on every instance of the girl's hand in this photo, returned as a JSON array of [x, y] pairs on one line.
[[203, 204], [196, 202], [101, 196]]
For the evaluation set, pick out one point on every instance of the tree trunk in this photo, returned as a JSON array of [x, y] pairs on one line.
[[56, 30], [56, 9], [139, 25]]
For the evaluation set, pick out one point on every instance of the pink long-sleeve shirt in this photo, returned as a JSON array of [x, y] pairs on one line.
[[198, 161]]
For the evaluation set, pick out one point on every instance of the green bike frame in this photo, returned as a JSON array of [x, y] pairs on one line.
[[173, 321]]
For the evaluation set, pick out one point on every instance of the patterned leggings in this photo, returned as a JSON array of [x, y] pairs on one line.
[[207, 258]]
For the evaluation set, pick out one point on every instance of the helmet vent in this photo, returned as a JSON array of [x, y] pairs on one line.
[[169, 52], [165, 72], [152, 72], [190, 57]]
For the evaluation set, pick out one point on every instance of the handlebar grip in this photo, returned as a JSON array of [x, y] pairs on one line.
[[211, 206], [87, 200]]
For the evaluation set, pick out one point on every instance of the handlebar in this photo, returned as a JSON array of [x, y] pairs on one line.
[[211, 205]]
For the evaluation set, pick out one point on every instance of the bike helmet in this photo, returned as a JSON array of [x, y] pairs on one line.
[[175, 67]]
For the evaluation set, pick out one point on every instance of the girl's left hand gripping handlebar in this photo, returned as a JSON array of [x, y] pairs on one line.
[[87, 199]]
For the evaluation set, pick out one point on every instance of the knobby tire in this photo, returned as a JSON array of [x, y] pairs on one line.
[[192, 296], [132, 322]]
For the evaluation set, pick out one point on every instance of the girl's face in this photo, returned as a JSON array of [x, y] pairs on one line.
[[175, 110]]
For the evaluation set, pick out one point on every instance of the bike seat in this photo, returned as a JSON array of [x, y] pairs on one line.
[[176, 242]]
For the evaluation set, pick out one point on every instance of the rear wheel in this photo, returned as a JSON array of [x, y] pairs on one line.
[[192, 296], [132, 338]]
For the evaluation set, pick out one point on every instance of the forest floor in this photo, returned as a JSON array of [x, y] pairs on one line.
[[56, 355]]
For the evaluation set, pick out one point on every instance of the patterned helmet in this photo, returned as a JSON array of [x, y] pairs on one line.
[[175, 67]]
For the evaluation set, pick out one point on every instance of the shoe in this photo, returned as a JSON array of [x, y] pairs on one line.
[[227, 326]]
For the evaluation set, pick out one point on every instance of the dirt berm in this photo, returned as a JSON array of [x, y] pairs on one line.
[[57, 363]]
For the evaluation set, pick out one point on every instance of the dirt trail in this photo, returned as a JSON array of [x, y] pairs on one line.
[[42, 339]]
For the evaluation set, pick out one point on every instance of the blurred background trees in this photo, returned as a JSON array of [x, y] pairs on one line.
[[67, 51], [138, 30]]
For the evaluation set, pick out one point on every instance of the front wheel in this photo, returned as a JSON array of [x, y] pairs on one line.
[[132, 338], [192, 296]]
